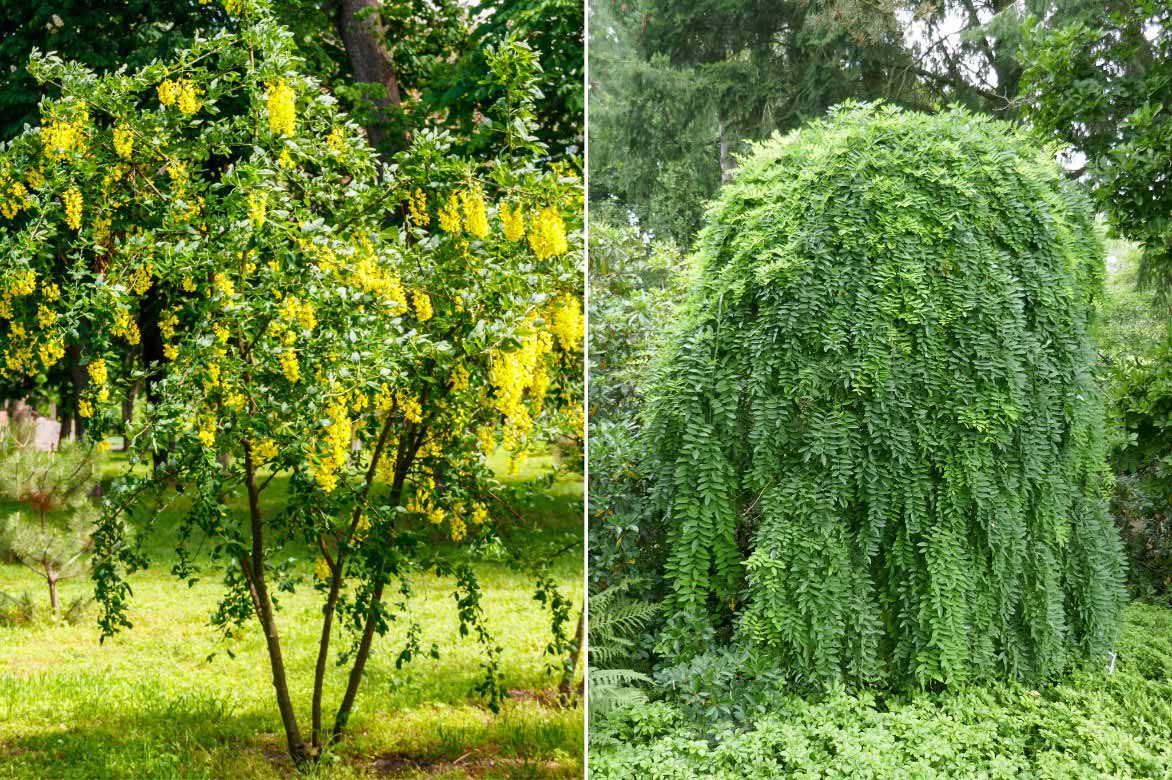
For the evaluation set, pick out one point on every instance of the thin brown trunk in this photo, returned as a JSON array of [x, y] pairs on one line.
[[253, 566], [403, 460], [51, 576], [566, 687], [362, 33], [323, 648]]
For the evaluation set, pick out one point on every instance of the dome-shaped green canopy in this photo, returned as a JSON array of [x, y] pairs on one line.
[[877, 436]]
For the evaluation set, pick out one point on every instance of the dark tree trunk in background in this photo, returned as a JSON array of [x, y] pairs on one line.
[[77, 375], [363, 34]]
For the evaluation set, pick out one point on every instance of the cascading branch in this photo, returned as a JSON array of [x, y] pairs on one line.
[[215, 228], [878, 439]]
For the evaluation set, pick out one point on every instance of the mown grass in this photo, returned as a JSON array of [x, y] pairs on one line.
[[149, 704]]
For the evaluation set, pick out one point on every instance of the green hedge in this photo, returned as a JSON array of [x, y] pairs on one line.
[[878, 443]]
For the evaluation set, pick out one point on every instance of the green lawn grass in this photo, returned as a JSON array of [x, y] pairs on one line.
[[149, 704]]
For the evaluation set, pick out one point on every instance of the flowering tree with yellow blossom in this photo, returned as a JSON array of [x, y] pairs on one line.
[[370, 331]]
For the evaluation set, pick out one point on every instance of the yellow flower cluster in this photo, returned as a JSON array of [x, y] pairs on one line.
[[412, 411], [423, 310], [465, 211], [513, 221], [188, 100], [336, 140], [289, 366], [123, 141], [282, 106], [72, 200], [85, 408], [294, 309], [18, 285], [513, 373], [449, 215], [547, 234], [21, 358], [368, 274], [141, 278], [207, 430], [99, 372], [566, 322], [15, 198], [235, 400], [224, 285], [321, 569], [257, 207], [486, 436], [60, 137], [285, 160], [265, 450], [182, 93], [460, 378], [422, 502], [475, 216], [125, 327], [167, 325], [417, 207], [325, 465]]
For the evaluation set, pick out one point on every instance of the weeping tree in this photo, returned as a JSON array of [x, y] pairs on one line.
[[878, 441]]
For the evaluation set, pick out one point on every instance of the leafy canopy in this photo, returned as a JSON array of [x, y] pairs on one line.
[[878, 443]]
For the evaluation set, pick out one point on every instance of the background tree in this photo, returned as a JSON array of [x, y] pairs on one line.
[[55, 488]]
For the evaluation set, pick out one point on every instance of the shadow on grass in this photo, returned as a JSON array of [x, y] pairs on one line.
[[154, 745]]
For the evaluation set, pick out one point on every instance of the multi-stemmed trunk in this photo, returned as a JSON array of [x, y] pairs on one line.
[[252, 564]]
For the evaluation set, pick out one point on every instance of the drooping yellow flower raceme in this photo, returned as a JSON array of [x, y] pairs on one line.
[[60, 137], [281, 102], [513, 221], [547, 234], [475, 215], [422, 301], [207, 431], [125, 327], [257, 208], [417, 207], [289, 366], [567, 323], [98, 371], [265, 450], [187, 98], [449, 215], [330, 456], [168, 92], [321, 569], [123, 141], [72, 200]]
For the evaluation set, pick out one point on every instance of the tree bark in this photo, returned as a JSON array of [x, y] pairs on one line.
[[566, 687], [331, 606], [403, 460], [727, 163], [362, 33], [254, 572]]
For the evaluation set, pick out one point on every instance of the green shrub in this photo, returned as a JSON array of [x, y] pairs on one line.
[[878, 439], [1090, 725]]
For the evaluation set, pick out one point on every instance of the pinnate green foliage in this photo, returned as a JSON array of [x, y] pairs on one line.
[[877, 436]]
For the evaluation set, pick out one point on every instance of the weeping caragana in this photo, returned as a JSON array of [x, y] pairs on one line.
[[879, 442]]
